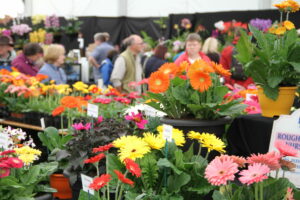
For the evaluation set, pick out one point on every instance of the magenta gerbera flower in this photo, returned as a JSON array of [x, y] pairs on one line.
[[254, 174], [137, 119], [221, 170]]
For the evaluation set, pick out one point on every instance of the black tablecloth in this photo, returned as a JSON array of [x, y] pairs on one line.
[[249, 134]]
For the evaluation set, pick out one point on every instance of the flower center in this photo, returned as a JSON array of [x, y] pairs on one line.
[[201, 80], [158, 82], [133, 150]]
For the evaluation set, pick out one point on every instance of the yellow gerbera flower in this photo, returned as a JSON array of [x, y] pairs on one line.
[[288, 25], [27, 154], [212, 142], [136, 148], [194, 135], [154, 141], [124, 140]]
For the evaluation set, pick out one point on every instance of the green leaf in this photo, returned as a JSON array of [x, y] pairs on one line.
[[181, 94], [175, 182], [149, 170], [276, 188], [272, 93], [262, 42], [31, 176], [294, 53], [296, 65], [232, 110], [44, 188], [219, 93], [244, 48], [218, 196], [274, 81], [163, 162], [179, 159]]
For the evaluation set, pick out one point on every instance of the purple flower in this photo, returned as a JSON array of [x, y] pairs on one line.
[[48, 38], [261, 24], [6, 32], [52, 21], [137, 119], [20, 29]]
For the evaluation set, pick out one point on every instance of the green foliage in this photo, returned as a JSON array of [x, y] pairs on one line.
[[149, 40], [272, 61], [25, 183]]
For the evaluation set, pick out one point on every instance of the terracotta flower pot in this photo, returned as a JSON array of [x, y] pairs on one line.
[[62, 185], [282, 105]]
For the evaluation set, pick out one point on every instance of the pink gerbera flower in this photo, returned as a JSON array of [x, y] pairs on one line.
[[4, 172], [271, 159], [221, 170], [285, 150], [137, 119], [240, 161], [80, 126], [254, 174]]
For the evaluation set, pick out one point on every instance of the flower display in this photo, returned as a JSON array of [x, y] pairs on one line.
[[254, 174], [193, 91], [20, 29], [219, 171]]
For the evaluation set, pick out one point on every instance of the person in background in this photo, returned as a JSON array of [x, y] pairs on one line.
[[128, 67], [210, 48], [99, 53], [26, 62], [192, 50], [237, 79], [107, 66], [156, 60], [7, 54], [54, 59]]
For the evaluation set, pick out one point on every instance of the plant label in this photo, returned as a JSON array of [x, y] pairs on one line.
[[86, 181], [287, 129], [92, 110], [43, 123], [4, 141], [167, 132]]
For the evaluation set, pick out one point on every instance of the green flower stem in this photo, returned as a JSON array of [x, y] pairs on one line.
[[199, 151], [61, 122], [256, 191], [261, 185], [121, 188], [117, 189], [287, 15], [107, 162], [277, 172], [281, 13]]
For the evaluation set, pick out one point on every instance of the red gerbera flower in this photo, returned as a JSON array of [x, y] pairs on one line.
[[14, 162], [7, 152], [122, 178], [96, 158], [102, 148], [133, 167], [100, 182]]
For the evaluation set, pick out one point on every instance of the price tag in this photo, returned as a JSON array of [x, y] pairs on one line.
[[86, 181], [149, 111], [92, 110], [4, 140], [167, 132], [43, 123]]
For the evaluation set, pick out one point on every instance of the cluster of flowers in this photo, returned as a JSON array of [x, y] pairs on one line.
[[27, 154], [224, 168], [15, 137], [52, 21], [20, 29]]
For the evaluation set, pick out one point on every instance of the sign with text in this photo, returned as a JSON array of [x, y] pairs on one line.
[[92, 110], [86, 181], [287, 129], [167, 132]]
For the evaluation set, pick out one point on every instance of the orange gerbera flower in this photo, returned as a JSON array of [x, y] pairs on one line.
[[70, 102], [280, 30], [158, 82], [4, 72], [169, 69], [40, 77], [294, 6], [200, 81], [220, 70], [58, 110], [183, 67], [200, 65]]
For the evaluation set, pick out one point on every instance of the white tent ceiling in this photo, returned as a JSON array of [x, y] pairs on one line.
[[130, 8]]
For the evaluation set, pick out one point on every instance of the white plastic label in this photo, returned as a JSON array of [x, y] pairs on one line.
[[43, 123], [167, 132], [92, 110], [4, 141], [86, 181]]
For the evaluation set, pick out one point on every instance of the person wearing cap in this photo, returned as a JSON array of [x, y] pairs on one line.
[[26, 61], [6, 55]]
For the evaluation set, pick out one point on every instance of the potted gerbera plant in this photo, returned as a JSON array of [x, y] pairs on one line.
[[193, 96], [273, 62]]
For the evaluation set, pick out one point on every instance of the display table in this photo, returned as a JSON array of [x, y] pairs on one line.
[[20, 125], [249, 134]]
